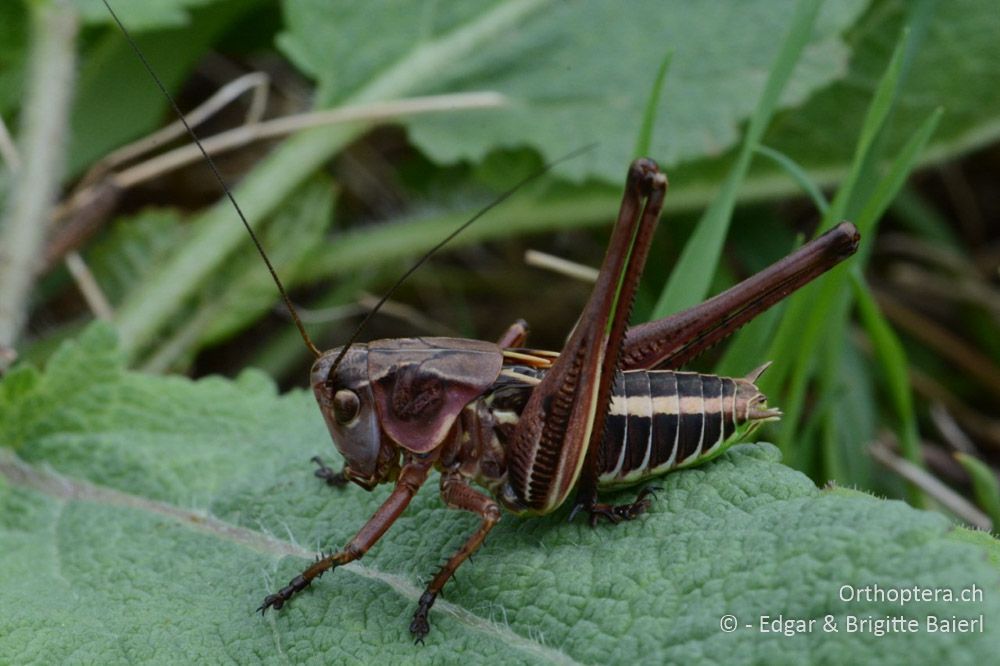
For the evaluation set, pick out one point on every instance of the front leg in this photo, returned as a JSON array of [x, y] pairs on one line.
[[332, 478], [411, 477], [456, 493]]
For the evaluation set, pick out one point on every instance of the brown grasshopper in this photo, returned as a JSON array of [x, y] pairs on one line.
[[607, 411], [530, 427]]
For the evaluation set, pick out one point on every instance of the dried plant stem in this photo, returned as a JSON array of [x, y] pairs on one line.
[[931, 485], [8, 151], [45, 116], [945, 343], [255, 82], [559, 265], [91, 290], [279, 127], [87, 207]]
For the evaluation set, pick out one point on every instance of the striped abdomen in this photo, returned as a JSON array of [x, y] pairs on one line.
[[661, 420]]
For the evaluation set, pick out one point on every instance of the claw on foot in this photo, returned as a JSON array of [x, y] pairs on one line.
[[278, 599], [331, 477], [616, 513], [420, 625], [271, 601]]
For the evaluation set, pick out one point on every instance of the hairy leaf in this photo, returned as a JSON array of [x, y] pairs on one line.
[[573, 73], [144, 518]]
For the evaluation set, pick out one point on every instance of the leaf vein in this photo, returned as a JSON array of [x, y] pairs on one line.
[[67, 489]]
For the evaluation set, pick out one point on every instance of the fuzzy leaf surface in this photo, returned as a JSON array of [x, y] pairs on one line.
[[144, 518], [573, 73]]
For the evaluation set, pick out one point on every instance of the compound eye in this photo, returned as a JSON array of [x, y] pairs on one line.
[[346, 405]]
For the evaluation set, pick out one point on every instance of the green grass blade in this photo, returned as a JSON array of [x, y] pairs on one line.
[[817, 298], [804, 334], [830, 382], [893, 368], [645, 139], [749, 346], [689, 282], [799, 175], [263, 191], [985, 485], [889, 186], [916, 214], [878, 112]]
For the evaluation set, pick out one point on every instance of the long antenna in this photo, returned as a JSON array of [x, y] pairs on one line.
[[444, 241], [284, 295], [222, 182]]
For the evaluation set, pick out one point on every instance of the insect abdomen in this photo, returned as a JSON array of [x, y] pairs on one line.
[[662, 420]]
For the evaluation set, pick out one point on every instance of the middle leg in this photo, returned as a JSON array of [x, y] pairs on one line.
[[457, 494], [515, 335]]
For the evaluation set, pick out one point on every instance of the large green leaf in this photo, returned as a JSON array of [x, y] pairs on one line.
[[13, 54], [571, 83], [143, 519], [573, 72], [115, 100], [822, 133], [141, 14], [600, 69]]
